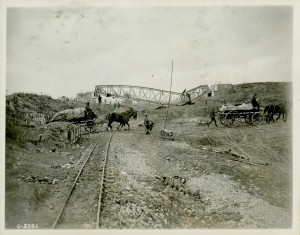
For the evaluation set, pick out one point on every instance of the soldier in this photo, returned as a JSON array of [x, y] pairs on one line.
[[254, 102], [213, 117], [148, 124], [88, 111]]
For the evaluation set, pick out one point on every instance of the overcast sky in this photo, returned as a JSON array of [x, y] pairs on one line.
[[63, 51]]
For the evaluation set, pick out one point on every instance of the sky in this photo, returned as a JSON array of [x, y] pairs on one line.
[[63, 51]]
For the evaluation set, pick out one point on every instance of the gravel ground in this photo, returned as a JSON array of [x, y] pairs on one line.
[[219, 192], [220, 195]]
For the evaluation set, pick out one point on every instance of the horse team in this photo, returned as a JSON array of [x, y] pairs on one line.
[[122, 118], [271, 110]]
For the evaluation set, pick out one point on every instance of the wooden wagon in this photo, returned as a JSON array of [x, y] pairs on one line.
[[77, 116], [233, 115]]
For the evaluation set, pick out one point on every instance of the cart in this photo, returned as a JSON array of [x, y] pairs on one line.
[[90, 125], [77, 116], [236, 117]]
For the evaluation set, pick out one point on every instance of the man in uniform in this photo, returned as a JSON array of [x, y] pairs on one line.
[[88, 111], [148, 124], [254, 102], [213, 117]]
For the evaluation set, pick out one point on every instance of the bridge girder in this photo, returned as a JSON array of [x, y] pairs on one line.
[[147, 94]]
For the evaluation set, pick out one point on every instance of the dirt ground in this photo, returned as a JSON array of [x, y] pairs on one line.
[[249, 186]]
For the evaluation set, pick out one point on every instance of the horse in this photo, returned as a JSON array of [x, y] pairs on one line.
[[269, 112], [272, 110], [281, 109], [122, 118]]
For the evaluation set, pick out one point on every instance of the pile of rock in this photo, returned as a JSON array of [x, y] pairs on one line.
[[34, 179], [179, 184]]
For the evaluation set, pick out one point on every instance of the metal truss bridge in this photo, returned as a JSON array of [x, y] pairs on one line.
[[150, 95]]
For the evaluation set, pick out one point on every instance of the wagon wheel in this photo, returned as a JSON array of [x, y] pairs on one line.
[[222, 118], [229, 119], [237, 119], [90, 126], [256, 118], [248, 118]]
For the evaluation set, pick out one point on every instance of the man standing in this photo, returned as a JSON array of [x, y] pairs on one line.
[[254, 102], [148, 124], [88, 111], [213, 117]]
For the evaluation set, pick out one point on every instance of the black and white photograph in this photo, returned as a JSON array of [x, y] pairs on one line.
[[149, 117]]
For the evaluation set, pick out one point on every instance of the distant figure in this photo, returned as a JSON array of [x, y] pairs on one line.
[[99, 99], [148, 124], [88, 111], [118, 105], [189, 97], [115, 105], [189, 101], [213, 117], [254, 102]]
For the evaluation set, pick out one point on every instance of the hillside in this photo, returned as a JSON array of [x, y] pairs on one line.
[[267, 93]]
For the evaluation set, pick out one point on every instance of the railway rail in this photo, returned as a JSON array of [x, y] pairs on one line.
[[85, 212]]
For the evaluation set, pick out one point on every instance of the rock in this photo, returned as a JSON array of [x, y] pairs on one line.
[[189, 192], [54, 181], [67, 166], [123, 201], [198, 191], [53, 150]]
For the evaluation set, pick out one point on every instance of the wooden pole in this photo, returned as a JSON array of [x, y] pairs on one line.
[[169, 97]]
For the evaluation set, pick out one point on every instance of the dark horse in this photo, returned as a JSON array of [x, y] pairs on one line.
[[271, 110], [122, 118]]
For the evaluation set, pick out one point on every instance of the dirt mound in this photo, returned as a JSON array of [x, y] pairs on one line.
[[56, 131], [267, 92], [209, 141], [28, 102]]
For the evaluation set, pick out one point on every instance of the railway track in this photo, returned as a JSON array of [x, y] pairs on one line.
[[80, 211]]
